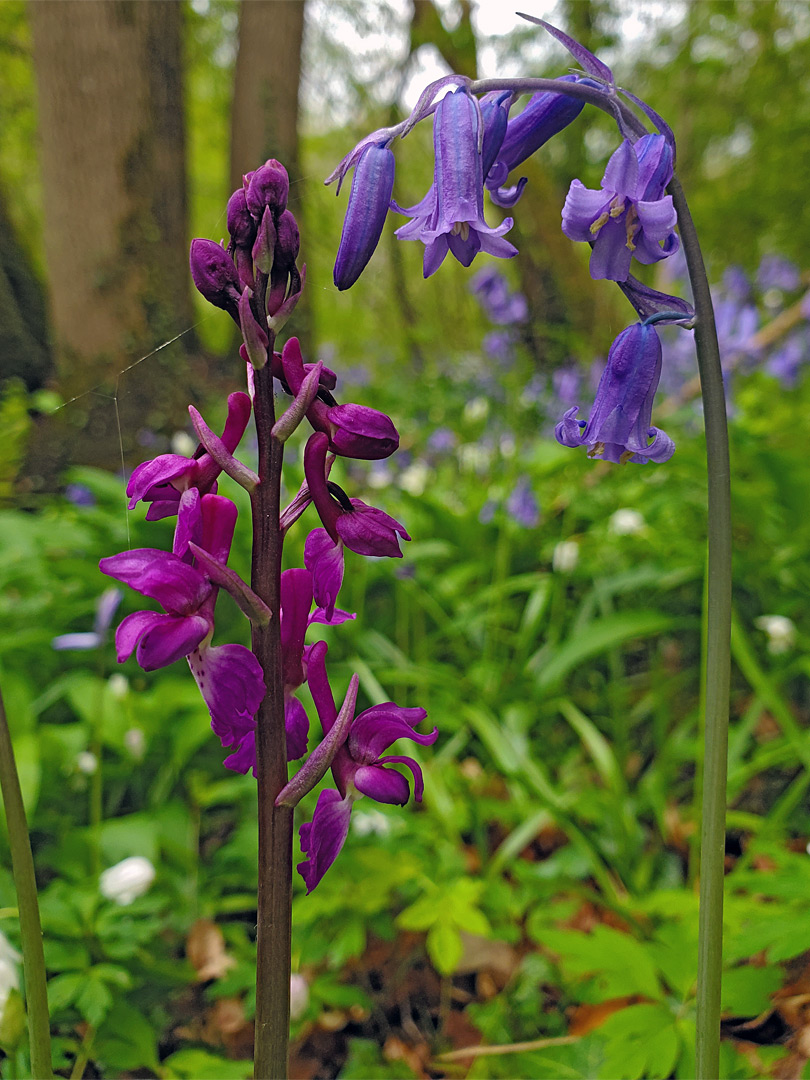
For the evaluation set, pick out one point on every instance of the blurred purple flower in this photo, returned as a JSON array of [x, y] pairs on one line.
[[500, 304], [522, 505], [106, 608], [776, 272], [80, 495]]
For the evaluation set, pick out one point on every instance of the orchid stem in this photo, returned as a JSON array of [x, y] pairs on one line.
[[717, 661], [274, 903], [22, 864]]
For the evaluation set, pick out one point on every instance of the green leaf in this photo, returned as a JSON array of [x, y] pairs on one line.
[[444, 946], [64, 989], [746, 990], [192, 1064], [94, 1000], [594, 639], [642, 1040], [619, 964], [419, 916]]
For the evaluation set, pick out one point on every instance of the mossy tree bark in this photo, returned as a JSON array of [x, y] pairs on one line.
[[111, 125]]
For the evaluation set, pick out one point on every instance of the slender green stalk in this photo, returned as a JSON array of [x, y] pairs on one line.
[[274, 916], [22, 864], [717, 663]]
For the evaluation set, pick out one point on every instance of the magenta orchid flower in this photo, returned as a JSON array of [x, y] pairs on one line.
[[359, 768], [162, 480]]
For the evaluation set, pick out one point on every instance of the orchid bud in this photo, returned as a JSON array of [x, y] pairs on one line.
[[372, 185], [268, 186], [241, 226], [215, 276], [288, 240], [264, 247]]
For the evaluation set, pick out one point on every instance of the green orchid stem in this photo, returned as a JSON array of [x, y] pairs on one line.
[[22, 864], [274, 915], [717, 662]]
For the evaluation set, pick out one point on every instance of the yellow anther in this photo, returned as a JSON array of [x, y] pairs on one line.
[[600, 221], [617, 207], [596, 450], [464, 231], [631, 226], [625, 457], [456, 228]]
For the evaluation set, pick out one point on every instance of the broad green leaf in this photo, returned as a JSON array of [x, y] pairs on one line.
[[641, 1040], [618, 964], [592, 640], [746, 990], [444, 946]]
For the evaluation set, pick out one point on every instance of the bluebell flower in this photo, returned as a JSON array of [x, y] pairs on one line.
[[619, 426], [500, 304], [369, 200], [545, 115], [451, 215], [630, 216]]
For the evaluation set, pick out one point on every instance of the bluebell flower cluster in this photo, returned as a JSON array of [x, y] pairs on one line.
[[477, 146]]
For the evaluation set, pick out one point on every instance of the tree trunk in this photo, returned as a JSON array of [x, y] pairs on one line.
[[265, 99], [24, 350], [109, 80]]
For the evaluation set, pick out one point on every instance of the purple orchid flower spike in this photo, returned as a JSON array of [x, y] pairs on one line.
[[359, 768], [451, 215], [296, 601], [162, 480], [369, 199], [229, 676], [618, 428], [106, 608], [354, 430], [630, 216], [364, 529]]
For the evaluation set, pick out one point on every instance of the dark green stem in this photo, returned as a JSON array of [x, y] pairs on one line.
[[274, 916], [22, 864], [717, 663]]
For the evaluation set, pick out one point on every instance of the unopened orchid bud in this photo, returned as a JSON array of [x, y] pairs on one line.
[[265, 244], [268, 186], [215, 276], [370, 197], [288, 240], [241, 226]]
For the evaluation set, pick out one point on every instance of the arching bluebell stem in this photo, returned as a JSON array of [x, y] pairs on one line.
[[369, 199]]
